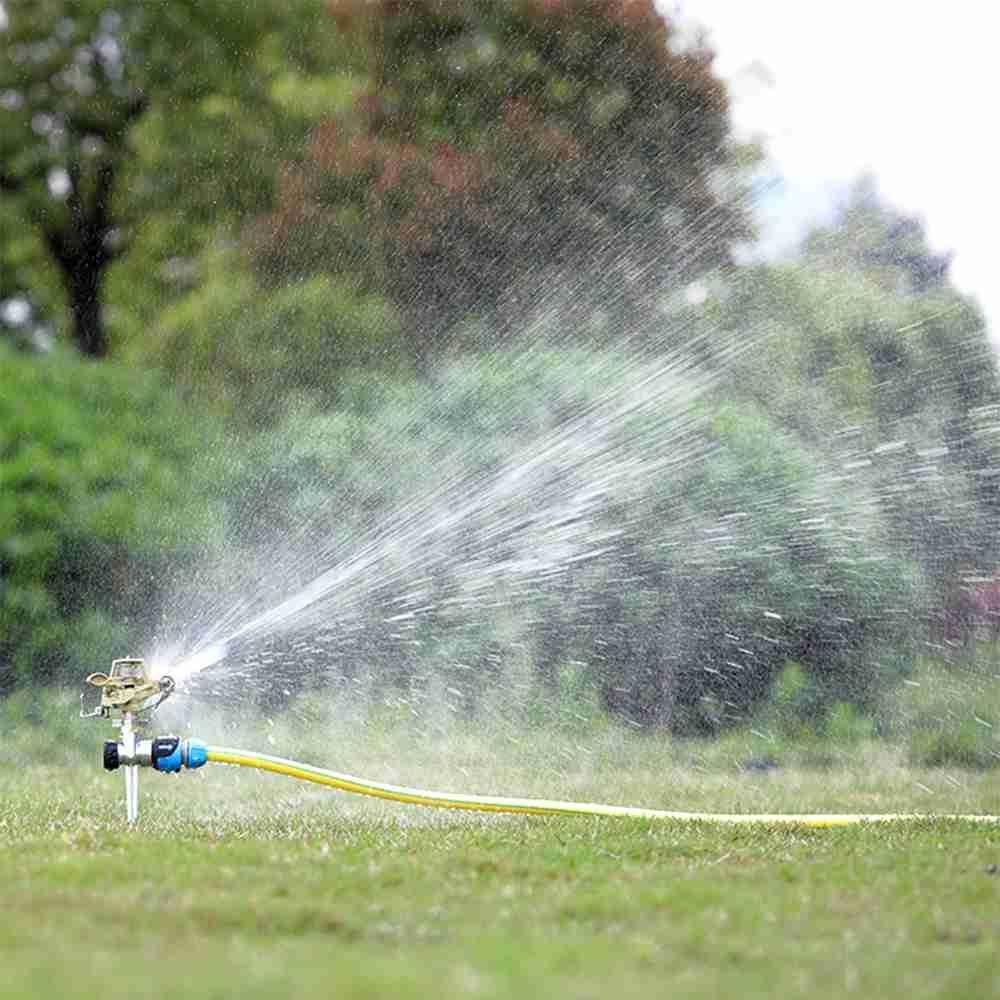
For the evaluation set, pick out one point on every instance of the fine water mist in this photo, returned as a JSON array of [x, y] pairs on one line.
[[498, 599], [501, 531], [689, 526]]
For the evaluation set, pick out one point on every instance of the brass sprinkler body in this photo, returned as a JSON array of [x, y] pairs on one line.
[[128, 690]]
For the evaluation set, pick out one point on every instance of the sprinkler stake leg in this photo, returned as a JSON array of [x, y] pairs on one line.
[[131, 794], [131, 772]]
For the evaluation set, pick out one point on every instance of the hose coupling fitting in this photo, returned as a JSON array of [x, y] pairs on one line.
[[165, 753]]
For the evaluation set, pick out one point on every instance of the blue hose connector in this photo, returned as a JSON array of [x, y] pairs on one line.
[[165, 754], [195, 752], [170, 754]]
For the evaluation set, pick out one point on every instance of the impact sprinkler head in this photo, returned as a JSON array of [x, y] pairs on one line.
[[129, 695], [127, 690]]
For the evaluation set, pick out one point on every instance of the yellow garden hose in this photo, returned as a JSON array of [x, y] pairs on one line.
[[544, 807]]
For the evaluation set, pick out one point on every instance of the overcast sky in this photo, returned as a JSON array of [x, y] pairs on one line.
[[905, 88]]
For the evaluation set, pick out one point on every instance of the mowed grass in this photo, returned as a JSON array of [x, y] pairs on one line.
[[238, 885]]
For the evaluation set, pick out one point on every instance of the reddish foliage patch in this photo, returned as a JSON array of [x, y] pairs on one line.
[[537, 130], [972, 611]]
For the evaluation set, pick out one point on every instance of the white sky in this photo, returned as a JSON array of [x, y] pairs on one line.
[[905, 88]]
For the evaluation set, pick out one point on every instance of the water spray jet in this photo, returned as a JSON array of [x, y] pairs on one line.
[[130, 695]]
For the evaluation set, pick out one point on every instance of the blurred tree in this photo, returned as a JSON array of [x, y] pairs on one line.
[[77, 77], [26, 303], [255, 353], [106, 492], [865, 330], [870, 234], [197, 171], [500, 143], [865, 349]]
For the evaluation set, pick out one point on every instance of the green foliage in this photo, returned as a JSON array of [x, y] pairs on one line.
[[455, 159], [44, 724], [81, 76], [847, 337], [21, 265], [804, 724], [900, 389], [99, 499], [754, 561], [832, 350], [255, 351], [871, 236], [948, 711], [962, 745]]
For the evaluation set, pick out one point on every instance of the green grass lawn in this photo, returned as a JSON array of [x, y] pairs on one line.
[[242, 885]]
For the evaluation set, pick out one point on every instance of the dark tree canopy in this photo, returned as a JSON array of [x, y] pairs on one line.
[[75, 80], [500, 142]]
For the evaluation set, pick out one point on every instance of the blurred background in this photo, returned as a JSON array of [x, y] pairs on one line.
[[617, 361]]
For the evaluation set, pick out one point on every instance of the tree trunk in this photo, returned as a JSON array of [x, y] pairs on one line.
[[83, 279], [82, 248]]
